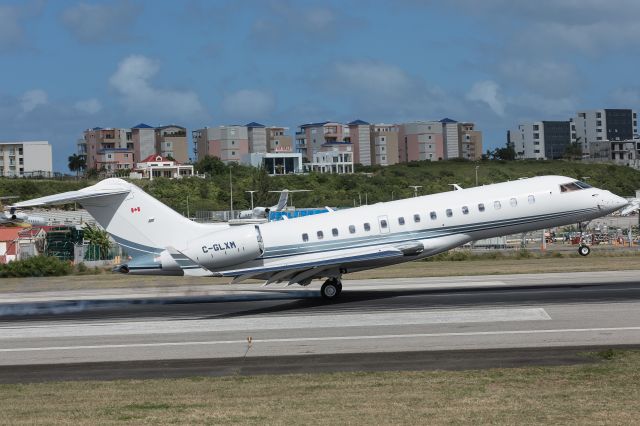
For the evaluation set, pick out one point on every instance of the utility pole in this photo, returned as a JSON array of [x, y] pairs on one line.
[[477, 167], [251, 192], [187, 206], [415, 189], [231, 192]]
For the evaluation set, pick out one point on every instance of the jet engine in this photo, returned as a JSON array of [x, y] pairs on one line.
[[228, 247]]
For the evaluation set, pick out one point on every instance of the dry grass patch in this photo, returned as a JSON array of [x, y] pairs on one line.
[[604, 392]]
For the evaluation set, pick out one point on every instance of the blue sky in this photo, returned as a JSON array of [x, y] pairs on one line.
[[69, 65]]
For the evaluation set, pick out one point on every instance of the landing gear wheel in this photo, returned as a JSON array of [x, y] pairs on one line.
[[331, 289], [584, 250]]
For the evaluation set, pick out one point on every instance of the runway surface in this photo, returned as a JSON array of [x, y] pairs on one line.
[[459, 322]]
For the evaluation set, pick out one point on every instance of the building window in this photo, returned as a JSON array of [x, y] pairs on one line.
[[465, 210], [497, 205], [416, 218], [305, 237], [233, 153], [320, 235], [449, 212], [531, 199], [513, 202], [481, 207], [367, 227], [401, 221], [352, 229], [433, 215]]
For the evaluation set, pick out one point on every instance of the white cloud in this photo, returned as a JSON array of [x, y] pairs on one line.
[[249, 104], [89, 106], [12, 31], [374, 77], [132, 80], [31, 99], [91, 23], [488, 92]]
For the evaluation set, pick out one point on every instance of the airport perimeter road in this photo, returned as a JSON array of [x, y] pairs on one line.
[[394, 316]]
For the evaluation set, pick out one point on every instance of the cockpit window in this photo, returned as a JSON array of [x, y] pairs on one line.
[[583, 185], [568, 187]]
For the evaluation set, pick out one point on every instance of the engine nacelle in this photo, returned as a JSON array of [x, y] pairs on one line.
[[227, 247]]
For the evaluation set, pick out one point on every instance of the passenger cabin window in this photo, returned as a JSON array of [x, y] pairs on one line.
[[449, 212], [401, 221], [334, 232], [305, 237], [433, 215], [465, 210], [352, 229], [513, 202], [497, 205], [320, 235], [383, 224], [416, 218], [367, 227], [531, 199], [481, 207]]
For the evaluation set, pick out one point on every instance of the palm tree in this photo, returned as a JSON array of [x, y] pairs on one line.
[[77, 163]]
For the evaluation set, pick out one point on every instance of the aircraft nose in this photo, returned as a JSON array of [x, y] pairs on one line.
[[612, 202]]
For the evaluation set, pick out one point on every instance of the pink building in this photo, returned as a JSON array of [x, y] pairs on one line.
[[310, 137], [421, 140]]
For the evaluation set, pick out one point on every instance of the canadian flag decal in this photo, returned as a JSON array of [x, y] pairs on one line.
[[135, 209]]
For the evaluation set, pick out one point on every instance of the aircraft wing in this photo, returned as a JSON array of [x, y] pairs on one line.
[[309, 266], [631, 207], [71, 196]]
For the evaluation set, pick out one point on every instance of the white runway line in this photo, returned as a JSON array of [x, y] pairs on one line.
[[324, 339], [275, 323]]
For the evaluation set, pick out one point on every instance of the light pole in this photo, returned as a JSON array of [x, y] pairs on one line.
[[415, 189], [251, 192], [187, 206], [477, 167]]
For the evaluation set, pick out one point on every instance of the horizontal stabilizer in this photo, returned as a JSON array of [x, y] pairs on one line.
[[72, 196]]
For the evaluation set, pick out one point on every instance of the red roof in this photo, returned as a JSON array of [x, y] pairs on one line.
[[157, 158], [9, 234]]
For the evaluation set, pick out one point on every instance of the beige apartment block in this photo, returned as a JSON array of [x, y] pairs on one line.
[[257, 136], [228, 143], [25, 158], [171, 141], [470, 142], [384, 144], [278, 140]]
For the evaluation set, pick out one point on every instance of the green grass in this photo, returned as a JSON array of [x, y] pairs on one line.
[[604, 392]]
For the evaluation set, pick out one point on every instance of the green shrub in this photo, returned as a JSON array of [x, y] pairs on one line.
[[39, 266]]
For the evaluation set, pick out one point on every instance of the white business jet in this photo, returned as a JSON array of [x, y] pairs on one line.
[[14, 218], [335, 243], [263, 212]]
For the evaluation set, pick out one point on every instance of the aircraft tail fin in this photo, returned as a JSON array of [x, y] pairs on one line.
[[134, 219], [282, 201]]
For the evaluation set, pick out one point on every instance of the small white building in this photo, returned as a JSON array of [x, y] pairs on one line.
[[155, 166], [334, 157], [26, 159], [275, 163]]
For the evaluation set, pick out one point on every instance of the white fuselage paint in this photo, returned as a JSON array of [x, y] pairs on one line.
[[510, 207]]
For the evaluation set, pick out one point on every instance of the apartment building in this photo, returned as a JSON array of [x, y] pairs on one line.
[[112, 149], [384, 144], [278, 140], [604, 125], [312, 136], [171, 141], [470, 142], [228, 143], [421, 140], [541, 140], [25, 159], [257, 136], [360, 137]]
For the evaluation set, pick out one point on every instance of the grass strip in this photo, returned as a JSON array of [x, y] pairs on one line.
[[605, 392]]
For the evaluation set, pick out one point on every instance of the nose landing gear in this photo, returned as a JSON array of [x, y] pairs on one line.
[[583, 248], [331, 289]]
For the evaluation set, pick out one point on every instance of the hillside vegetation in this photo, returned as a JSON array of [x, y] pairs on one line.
[[373, 184]]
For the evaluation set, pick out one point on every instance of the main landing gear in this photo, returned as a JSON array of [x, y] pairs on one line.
[[331, 289], [583, 248]]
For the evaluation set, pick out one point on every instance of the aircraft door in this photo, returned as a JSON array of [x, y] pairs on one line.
[[383, 224]]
